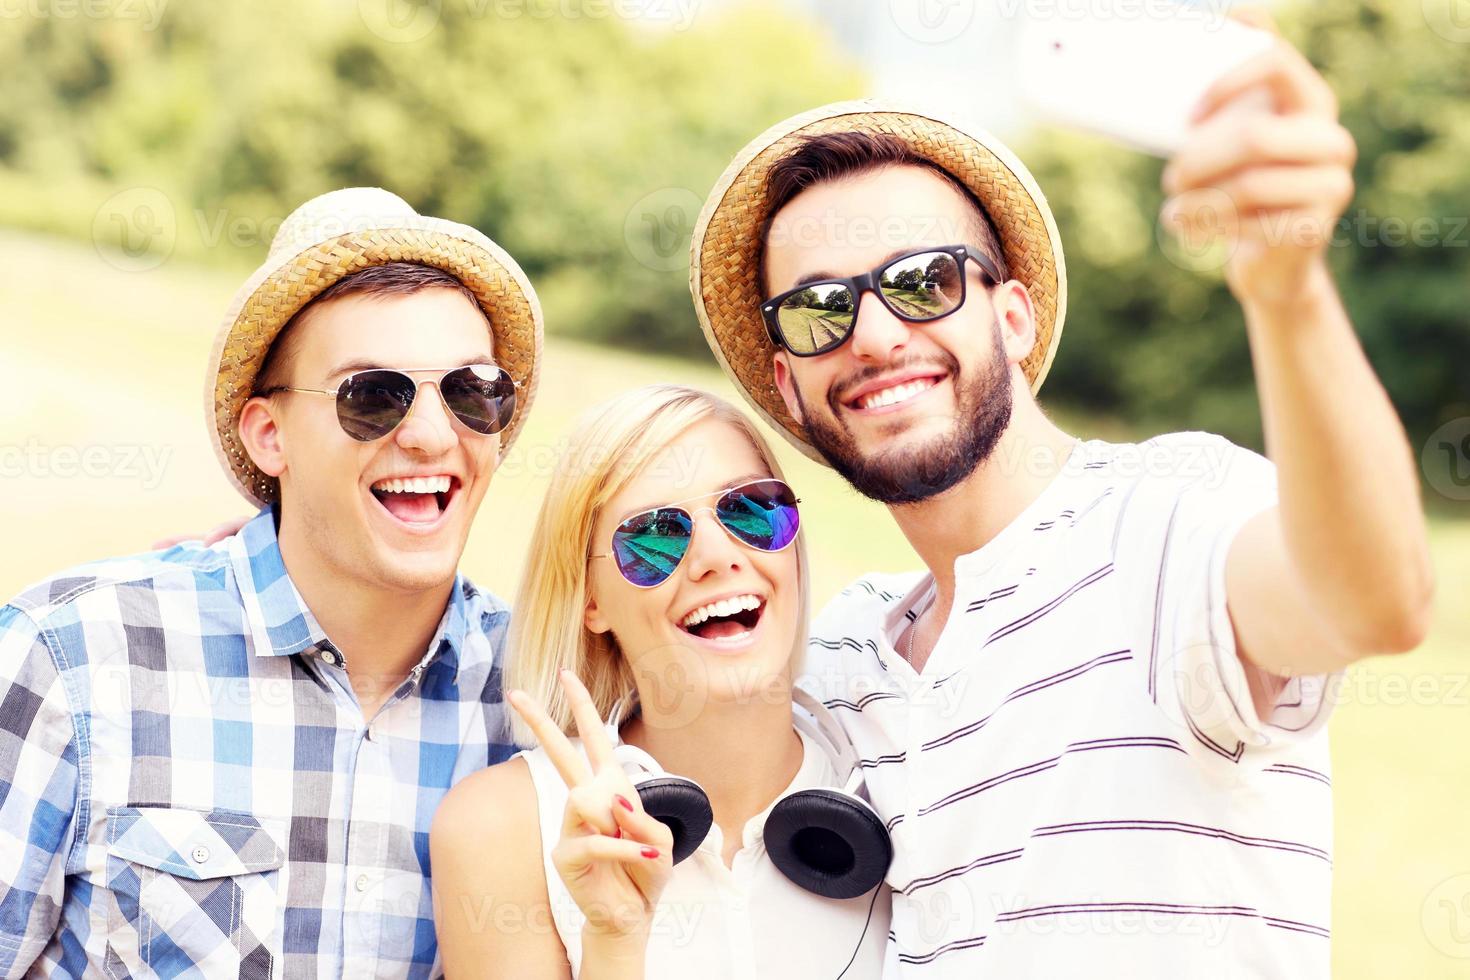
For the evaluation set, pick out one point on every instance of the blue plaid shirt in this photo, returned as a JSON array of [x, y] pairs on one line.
[[188, 787]]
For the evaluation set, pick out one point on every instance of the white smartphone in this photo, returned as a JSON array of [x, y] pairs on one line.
[[1131, 79]]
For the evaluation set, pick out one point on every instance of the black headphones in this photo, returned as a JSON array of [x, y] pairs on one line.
[[828, 841]]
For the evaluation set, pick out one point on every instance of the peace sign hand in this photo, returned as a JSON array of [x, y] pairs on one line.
[[613, 857]]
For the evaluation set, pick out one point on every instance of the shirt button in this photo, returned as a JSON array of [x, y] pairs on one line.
[[200, 854], [362, 883]]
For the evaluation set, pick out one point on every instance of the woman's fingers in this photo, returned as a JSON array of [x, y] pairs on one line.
[[636, 824], [589, 725], [568, 761], [589, 806], [572, 856]]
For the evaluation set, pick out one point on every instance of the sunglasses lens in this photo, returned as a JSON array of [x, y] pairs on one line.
[[762, 514], [481, 396], [372, 403], [649, 546], [816, 318], [924, 286]]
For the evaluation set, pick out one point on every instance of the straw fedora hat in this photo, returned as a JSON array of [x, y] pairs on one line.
[[723, 262], [328, 238]]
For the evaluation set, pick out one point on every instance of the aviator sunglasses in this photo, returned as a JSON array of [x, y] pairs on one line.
[[649, 546], [371, 404], [817, 317]]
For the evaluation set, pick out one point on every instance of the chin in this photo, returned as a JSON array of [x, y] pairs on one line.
[[416, 571]]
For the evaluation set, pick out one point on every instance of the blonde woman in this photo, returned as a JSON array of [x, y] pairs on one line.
[[661, 617]]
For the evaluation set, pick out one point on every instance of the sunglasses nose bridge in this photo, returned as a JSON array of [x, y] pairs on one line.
[[699, 545], [439, 421]]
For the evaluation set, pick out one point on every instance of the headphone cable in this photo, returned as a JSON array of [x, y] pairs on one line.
[[876, 889]]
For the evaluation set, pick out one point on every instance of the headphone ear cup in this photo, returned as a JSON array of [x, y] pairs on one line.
[[829, 843], [681, 806]]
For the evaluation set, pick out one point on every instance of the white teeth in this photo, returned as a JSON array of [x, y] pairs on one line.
[[722, 608], [421, 484], [898, 393]]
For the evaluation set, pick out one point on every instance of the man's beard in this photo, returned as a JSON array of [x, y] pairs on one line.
[[916, 473]]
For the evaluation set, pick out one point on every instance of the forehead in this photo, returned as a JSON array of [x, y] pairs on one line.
[[706, 458], [432, 328], [847, 226]]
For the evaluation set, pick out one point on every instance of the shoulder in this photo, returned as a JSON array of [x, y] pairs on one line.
[[864, 601], [857, 611], [482, 602], [503, 794], [1201, 459], [110, 592], [486, 616], [492, 810], [843, 641]]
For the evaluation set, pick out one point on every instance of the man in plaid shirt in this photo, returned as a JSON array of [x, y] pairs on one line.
[[224, 761]]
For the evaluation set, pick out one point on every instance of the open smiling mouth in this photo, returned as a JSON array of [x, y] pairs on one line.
[[416, 500], [888, 396], [727, 619]]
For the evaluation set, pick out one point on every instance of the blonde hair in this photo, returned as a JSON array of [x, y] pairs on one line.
[[607, 448]]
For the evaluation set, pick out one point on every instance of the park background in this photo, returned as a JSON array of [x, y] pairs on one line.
[[150, 148]]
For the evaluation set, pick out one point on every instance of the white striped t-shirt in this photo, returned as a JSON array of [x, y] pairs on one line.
[[1077, 783]]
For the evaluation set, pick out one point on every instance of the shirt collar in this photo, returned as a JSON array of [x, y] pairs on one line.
[[279, 620]]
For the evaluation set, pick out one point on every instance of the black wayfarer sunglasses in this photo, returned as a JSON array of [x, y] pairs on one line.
[[921, 286]]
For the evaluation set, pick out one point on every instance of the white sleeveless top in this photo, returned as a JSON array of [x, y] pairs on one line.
[[745, 922]]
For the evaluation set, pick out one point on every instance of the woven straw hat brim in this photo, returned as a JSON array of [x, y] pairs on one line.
[[284, 285], [723, 263]]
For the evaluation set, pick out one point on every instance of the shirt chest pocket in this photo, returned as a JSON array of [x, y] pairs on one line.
[[194, 893]]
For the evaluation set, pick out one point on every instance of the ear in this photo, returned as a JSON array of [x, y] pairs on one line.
[[786, 384], [1017, 319], [261, 437], [593, 618]]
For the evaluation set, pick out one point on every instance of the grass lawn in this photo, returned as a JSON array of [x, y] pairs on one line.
[[103, 400]]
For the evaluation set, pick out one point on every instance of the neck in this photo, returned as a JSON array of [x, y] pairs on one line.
[[744, 753], [381, 632], [1029, 454]]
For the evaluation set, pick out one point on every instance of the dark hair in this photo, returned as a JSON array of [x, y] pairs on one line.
[[388, 279], [833, 156]]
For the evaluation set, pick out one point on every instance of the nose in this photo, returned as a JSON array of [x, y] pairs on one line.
[[428, 429], [711, 549], [878, 335]]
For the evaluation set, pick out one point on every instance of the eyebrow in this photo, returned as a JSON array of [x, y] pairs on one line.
[[361, 364], [812, 277]]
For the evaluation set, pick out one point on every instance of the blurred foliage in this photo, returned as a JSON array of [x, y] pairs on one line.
[[584, 144], [550, 124], [1166, 346]]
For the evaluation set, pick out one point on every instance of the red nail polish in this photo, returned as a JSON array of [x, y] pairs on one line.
[[622, 801], [650, 852]]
